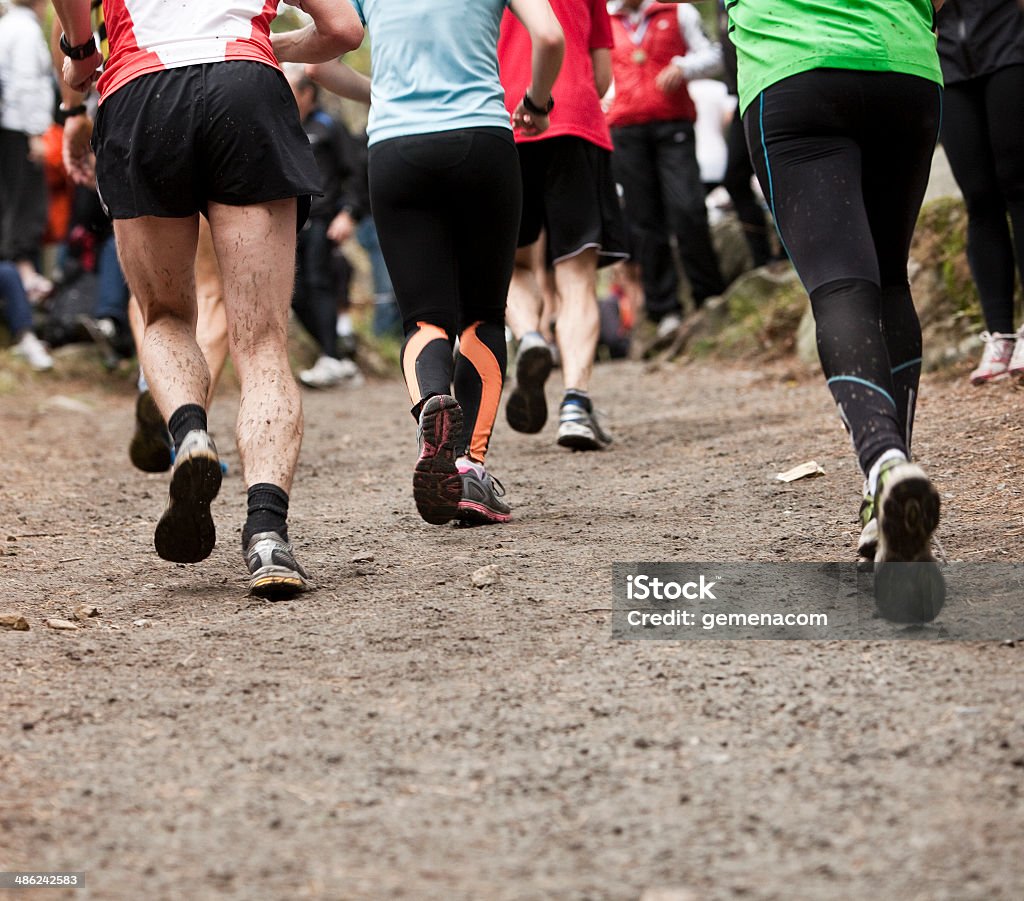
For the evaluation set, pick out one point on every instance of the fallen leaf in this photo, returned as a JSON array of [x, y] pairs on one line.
[[807, 470]]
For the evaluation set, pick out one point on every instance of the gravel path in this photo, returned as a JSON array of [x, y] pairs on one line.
[[401, 733]]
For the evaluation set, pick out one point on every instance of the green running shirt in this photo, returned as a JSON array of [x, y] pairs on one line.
[[778, 38]]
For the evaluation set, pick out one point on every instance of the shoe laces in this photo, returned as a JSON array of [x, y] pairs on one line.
[[998, 346], [496, 486], [479, 471]]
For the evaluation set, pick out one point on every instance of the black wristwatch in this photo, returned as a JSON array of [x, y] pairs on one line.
[[532, 107], [69, 111], [82, 51]]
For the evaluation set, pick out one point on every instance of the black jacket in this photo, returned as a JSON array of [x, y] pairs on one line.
[[977, 37], [341, 162]]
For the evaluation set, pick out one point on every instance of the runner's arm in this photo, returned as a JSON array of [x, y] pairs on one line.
[[76, 150], [548, 43], [77, 27], [340, 79], [335, 30], [601, 57]]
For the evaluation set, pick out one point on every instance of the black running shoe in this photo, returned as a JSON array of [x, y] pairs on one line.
[[482, 495], [186, 533], [436, 485], [909, 586], [908, 514], [527, 408], [150, 449], [275, 573]]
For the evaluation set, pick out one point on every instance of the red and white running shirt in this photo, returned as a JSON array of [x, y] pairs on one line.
[[152, 35]]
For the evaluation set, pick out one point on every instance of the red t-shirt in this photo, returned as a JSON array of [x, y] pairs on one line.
[[577, 109]]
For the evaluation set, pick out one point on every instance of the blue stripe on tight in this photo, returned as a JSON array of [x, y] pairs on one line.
[[865, 383], [771, 186], [906, 365]]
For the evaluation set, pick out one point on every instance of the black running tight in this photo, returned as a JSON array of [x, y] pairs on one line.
[[983, 134], [447, 208], [843, 158]]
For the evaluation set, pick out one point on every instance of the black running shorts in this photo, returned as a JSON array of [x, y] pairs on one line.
[[568, 191], [169, 142]]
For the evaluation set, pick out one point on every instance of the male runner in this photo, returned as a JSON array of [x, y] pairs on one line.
[[150, 448], [569, 195], [178, 84]]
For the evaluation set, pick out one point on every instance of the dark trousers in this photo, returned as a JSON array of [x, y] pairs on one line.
[[447, 207], [315, 298], [22, 199], [738, 173], [656, 165], [983, 133], [843, 157]]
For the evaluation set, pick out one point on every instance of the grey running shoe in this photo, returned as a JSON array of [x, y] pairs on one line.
[[150, 449], [186, 533], [275, 573], [527, 408], [436, 485], [580, 429], [482, 495]]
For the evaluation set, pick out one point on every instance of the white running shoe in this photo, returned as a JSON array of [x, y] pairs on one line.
[[668, 326], [1016, 365], [32, 349], [995, 359], [328, 372], [579, 429]]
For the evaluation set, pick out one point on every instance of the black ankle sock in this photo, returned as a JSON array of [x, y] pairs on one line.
[[582, 398], [268, 512], [184, 420]]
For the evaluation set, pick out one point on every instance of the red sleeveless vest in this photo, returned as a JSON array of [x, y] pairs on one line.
[[637, 99]]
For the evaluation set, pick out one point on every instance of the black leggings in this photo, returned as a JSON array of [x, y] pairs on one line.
[[983, 133], [843, 158], [447, 207]]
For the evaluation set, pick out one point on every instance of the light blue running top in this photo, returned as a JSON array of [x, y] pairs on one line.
[[434, 66]]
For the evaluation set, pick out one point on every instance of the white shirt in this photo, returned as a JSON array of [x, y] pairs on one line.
[[26, 73]]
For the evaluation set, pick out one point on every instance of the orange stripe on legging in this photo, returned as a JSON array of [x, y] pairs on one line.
[[424, 334], [479, 354]]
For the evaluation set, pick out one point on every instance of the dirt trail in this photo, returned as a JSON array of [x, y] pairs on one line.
[[400, 733]]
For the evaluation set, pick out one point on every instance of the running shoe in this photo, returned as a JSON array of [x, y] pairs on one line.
[[436, 484], [105, 334], [34, 353], [1016, 365], [275, 573], [482, 495], [328, 372], [995, 358], [667, 327], [907, 511], [186, 533], [580, 429], [150, 449], [527, 408], [867, 543], [908, 584]]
